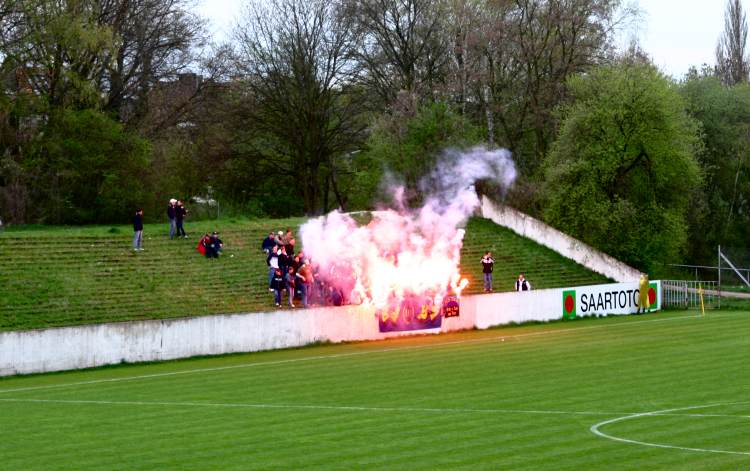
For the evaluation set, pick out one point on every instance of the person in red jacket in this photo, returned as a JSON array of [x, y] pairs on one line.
[[204, 245]]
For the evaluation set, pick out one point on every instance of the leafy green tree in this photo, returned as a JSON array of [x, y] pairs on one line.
[[407, 143], [61, 64], [722, 215], [87, 168], [60, 50], [623, 169]]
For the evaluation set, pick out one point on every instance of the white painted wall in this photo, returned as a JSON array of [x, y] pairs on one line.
[[87, 346], [561, 243]]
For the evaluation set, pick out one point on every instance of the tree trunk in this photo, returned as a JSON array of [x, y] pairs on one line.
[[335, 187], [311, 191], [488, 102]]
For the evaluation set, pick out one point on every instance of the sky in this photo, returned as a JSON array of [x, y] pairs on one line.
[[676, 34]]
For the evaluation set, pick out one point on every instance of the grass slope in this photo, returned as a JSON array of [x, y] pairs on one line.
[[509, 398], [53, 276], [513, 254]]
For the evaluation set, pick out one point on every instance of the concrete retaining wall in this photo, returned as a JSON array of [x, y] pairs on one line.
[[87, 346], [561, 243]]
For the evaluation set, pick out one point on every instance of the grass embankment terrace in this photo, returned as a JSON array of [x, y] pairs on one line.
[[58, 276], [558, 396]]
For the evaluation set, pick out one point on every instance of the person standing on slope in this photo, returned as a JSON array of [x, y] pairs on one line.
[[487, 266]]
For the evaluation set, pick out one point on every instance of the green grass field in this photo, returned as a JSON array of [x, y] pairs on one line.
[[58, 276], [659, 391]]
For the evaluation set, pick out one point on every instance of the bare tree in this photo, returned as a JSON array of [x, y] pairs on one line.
[[731, 57], [536, 46], [478, 29], [158, 40], [11, 31], [298, 57], [403, 46], [110, 53]]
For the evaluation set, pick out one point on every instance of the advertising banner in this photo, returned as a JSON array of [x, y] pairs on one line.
[[616, 298], [410, 314]]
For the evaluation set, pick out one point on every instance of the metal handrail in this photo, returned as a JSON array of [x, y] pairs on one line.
[[686, 294]]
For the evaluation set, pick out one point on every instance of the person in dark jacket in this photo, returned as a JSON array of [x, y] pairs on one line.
[[277, 284], [296, 263], [289, 242], [171, 213], [522, 283], [284, 260], [273, 264], [179, 215], [336, 297], [302, 258], [215, 245], [487, 266], [268, 243], [290, 279], [138, 230]]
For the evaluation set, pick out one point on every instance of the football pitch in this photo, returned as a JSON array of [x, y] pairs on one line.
[[660, 391]]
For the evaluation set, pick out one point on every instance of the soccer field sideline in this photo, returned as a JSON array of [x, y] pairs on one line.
[[325, 357], [500, 397]]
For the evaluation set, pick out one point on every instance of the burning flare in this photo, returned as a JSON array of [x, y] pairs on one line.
[[407, 253]]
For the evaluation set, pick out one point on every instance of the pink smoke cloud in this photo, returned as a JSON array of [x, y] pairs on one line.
[[407, 251]]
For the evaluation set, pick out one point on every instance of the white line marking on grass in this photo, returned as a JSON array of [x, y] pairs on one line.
[[304, 406], [363, 408], [595, 428], [343, 355]]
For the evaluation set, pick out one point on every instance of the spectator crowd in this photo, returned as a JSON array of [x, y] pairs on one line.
[[210, 245], [291, 274]]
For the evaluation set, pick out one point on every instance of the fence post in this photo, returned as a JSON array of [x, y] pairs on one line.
[[687, 299]]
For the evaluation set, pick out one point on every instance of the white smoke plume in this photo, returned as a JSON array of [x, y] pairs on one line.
[[407, 251]]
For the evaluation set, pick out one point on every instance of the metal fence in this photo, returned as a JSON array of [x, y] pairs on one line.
[[708, 273], [687, 294]]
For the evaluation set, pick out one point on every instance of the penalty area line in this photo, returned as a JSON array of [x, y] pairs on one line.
[[344, 355]]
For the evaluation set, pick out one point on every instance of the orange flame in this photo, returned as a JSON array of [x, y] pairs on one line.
[[388, 260]]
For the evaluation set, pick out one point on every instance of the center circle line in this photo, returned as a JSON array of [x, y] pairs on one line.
[[595, 429]]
